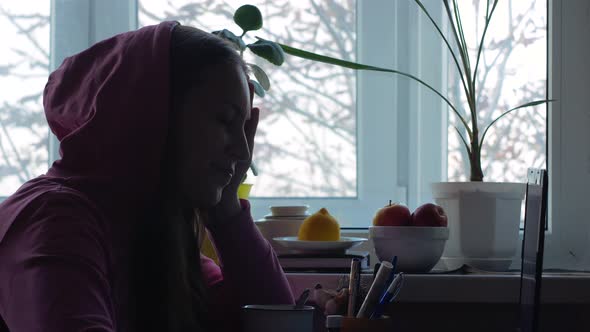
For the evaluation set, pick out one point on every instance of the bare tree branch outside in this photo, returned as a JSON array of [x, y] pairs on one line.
[[24, 66]]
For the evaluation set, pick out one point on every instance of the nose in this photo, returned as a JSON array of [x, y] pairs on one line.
[[239, 148]]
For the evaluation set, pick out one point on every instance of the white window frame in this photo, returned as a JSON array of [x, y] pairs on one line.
[[384, 168], [566, 244]]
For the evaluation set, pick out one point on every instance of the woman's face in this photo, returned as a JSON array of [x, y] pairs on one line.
[[209, 134]]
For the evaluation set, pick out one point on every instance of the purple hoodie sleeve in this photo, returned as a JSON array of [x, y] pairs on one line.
[[54, 270], [250, 269]]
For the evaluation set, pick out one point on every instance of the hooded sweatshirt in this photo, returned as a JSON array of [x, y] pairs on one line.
[[64, 236]]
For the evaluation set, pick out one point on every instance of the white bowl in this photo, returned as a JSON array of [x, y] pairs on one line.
[[417, 248], [271, 228]]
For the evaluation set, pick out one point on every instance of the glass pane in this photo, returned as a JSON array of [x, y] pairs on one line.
[[24, 66], [306, 141], [512, 71]]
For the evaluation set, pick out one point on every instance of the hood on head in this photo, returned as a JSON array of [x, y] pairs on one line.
[[108, 107]]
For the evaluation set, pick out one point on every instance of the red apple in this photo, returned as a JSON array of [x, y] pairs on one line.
[[429, 215], [392, 215]]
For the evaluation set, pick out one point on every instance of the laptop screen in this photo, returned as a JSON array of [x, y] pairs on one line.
[[532, 249]]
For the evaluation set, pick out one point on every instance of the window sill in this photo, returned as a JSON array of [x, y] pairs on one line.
[[470, 288]]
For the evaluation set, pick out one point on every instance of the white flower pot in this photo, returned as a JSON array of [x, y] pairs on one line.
[[484, 220]]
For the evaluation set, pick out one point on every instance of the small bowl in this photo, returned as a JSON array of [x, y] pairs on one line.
[[417, 248], [289, 210]]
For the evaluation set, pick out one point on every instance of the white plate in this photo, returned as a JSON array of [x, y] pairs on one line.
[[291, 242]]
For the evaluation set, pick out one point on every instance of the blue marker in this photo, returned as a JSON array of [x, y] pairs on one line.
[[388, 297]]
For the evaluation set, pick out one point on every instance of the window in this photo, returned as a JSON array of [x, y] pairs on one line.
[[24, 66], [392, 139]]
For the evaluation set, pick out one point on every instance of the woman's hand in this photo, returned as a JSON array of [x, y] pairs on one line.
[[229, 204]]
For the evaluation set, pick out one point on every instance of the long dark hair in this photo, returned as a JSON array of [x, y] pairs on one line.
[[172, 293]]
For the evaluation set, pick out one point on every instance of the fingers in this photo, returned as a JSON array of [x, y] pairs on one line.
[[251, 88], [250, 128], [252, 124]]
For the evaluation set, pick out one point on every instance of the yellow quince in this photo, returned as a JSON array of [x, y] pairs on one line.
[[320, 226]]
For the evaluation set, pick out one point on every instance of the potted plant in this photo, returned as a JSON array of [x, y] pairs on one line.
[[484, 217]]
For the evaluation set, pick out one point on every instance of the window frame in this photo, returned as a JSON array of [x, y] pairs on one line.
[[568, 120]]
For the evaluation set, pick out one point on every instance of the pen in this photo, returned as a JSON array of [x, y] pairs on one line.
[[376, 290], [387, 297], [353, 285], [394, 263]]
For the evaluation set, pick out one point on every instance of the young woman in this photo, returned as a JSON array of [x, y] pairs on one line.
[[156, 130]]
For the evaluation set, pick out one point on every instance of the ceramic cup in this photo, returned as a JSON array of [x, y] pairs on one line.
[[277, 317]]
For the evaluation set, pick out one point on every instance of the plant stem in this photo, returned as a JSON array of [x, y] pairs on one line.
[[241, 37], [475, 158]]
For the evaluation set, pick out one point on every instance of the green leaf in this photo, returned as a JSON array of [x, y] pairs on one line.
[[357, 66], [254, 168], [531, 103], [485, 29], [258, 89], [460, 30], [444, 38], [236, 41], [248, 18], [260, 76], [464, 55], [268, 50]]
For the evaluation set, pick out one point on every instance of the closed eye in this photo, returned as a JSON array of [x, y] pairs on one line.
[[225, 120], [240, 112]]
